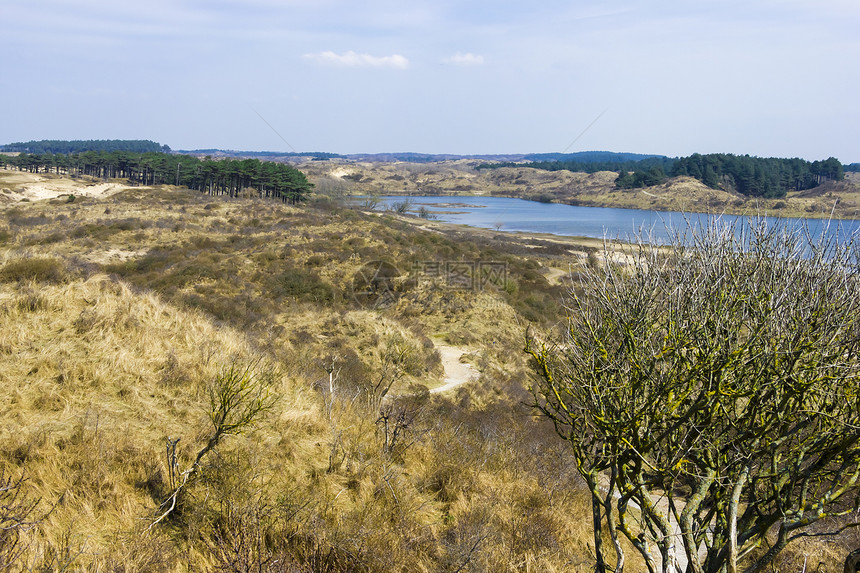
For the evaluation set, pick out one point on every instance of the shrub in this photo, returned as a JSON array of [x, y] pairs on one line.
[[541, 198], [302, 285], [16, 517], [315, 261], [39, 269], [401, 206], [721, 373]]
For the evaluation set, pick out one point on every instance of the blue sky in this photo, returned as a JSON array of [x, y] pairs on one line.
[[764, 77]]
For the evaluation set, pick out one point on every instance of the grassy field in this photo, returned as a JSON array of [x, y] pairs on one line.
[[122, 316]]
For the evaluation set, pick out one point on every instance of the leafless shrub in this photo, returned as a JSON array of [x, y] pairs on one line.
[[721, 376], [17, 517], [238, 396]]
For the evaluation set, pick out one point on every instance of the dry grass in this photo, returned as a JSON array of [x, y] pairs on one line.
[[116, 313], [95, 377]]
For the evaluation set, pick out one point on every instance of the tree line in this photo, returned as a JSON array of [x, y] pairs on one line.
[[758, 176], [587, 165], [769, 177], [216, 177], [80, 145]]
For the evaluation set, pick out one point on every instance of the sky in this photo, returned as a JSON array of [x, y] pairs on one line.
[[772, 78]]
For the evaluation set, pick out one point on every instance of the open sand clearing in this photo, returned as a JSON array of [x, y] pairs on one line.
[[22, 186]]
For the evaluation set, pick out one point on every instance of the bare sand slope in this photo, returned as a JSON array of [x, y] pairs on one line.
[[21, 186]]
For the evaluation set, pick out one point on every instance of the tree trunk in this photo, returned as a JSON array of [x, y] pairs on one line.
[[591, 478], [611, 522], [852, 562], [733, 522]]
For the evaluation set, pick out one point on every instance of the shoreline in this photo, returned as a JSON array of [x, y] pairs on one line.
[[753, 210], [573, 241], [661, 223]]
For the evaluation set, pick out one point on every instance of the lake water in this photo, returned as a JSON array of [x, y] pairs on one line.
[[506, 214]]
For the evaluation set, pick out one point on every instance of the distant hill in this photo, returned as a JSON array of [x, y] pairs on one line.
[[412, 157], [260, 154], [579, 157], [590, 157], [79, 146], [406, 156]]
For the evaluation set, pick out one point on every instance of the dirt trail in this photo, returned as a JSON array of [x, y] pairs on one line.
[[555, 276], [457, 373]]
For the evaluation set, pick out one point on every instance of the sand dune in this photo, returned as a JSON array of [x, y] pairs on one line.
[[21, 186]]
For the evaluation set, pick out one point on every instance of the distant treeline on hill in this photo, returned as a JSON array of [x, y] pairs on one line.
[[217, 177], [753, 176], [80, 146], [591, 162], [758, 176]]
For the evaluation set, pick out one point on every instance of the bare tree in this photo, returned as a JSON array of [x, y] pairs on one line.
[[237, 397], [713, 386], [397, 358]]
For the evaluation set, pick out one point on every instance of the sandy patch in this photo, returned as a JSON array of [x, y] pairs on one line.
[[340, 173], [60, 188], [113, 256], [20, 186], [457, 372], [555, 276]]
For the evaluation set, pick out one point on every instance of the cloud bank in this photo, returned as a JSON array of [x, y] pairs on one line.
[[352, 59]]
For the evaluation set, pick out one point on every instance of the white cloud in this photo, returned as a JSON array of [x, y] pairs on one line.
[[460, 59], [354, 60]]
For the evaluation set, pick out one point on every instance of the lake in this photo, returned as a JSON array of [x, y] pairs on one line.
[[507, 215]]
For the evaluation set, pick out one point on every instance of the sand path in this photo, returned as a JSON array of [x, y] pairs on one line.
[[457, 372]]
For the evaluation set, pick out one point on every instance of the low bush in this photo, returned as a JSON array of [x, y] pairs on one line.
[[39, 269], [302, 285]]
